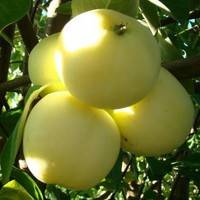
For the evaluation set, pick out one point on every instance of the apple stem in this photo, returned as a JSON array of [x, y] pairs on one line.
[[120, 29]]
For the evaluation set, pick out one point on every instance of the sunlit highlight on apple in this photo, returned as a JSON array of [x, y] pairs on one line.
[[58, 60], [127, 110], [36, 166], [86, 31]]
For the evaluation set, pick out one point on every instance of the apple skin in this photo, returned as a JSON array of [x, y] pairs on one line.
[[68, 143], [43, 63], [128, 8], [160, 122], [109, 60]]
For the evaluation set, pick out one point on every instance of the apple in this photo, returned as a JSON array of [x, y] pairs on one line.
[[109, 60], [44, 61], [129, 7], [158, 123], [69, 143]]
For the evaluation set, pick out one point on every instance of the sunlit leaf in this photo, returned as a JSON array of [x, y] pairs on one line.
[[14, 191], [178, 9], [150, 13], [27, 182], [159, 4], [64, 8]]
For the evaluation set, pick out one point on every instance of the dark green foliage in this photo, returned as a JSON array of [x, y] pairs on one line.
[[12, 11]]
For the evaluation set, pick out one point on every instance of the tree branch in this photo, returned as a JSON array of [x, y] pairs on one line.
[[180, 190], [184, 68], [5, 52], [16, 83], [169, 20], [33, 12], [27, 32]]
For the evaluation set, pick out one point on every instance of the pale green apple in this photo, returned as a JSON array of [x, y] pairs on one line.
[[68, 143], [109, 60], [158, 123], [127, 7], [44, 61]]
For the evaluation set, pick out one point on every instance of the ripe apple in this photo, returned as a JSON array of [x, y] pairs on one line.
[[44, 63], [109, 60], [68, 143], [158, 123], [129, 7]]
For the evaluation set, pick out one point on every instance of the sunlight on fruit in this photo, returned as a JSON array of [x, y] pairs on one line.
[[127, 111], [36, 168], [162, 120], [58, 60], [105, 63], [60, 133], [92, 34]]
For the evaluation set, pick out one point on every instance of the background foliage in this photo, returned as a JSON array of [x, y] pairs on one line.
[[23, 23]]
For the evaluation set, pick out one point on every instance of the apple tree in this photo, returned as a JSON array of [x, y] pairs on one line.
[[23, 23]]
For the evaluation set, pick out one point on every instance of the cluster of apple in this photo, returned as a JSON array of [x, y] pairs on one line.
[[110, 92]]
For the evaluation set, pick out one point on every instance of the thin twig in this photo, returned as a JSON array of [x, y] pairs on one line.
[[123, 175], [5, 54], [169, 20], [34, 10]]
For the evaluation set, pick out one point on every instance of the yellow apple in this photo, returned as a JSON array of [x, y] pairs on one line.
[[44, 63], [109, 60], [158, 123], [68, 143], [129, 7]]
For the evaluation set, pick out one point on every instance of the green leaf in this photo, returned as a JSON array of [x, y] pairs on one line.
[[178, 8], [194, 4], [192, 160], [14, 191], [64, 8], [8, 121], [157, 168], [114, 178], [11, 148], [12, 10], [192, 174], [159, 4], [27, 182], [168, 51], [53, 192], [80, 6], [150, 194], [6, 38], [30, 91], [150, 13], [128, 7]]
